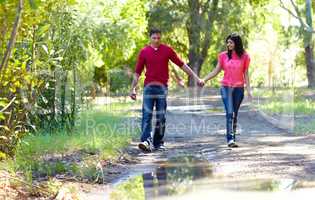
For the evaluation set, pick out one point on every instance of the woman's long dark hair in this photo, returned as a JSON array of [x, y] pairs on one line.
[[239, 49]]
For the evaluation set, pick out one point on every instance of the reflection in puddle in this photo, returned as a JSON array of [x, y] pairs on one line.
[[180, 175], [175, 176], [263, 185]]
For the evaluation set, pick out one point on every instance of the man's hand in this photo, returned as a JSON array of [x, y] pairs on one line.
[[200, 82], [133, 94], [191, 73]]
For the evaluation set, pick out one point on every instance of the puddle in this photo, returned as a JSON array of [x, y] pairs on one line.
[[173, 177], [189, 108], [262, 185], [189, 174]]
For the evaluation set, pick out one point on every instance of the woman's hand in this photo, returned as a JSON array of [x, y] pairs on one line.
[[249, 96], [200, 82]]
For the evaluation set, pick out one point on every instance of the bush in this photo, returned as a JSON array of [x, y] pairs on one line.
[[119, 81], [14, 107]]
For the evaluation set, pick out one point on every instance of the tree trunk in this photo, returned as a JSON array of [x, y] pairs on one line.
[[308, 46], [73, 97], [33, 68], [63, 99], [53, 99], [14, 32], [270, 73], [310, 69], [195, 65], [194, 33], [199, 33]]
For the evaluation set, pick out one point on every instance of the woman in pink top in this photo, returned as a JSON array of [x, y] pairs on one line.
[[234, 62]]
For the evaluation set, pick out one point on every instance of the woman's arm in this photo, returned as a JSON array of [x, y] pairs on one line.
[[248, 88], [212, 74]]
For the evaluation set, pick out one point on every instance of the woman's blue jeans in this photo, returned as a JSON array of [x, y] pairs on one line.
[[232, 98]]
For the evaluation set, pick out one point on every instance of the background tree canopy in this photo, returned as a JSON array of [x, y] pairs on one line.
[[57, 54]]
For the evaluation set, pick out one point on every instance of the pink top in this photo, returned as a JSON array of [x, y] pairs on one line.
[[234, 69]]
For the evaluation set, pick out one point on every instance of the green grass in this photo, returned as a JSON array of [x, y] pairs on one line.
[[304, 107], [99, 134], [132, 189], [305, 127], [97, 130], [294, 102], [285, 101]]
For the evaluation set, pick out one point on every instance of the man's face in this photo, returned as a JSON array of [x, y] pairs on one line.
[[155, 39]]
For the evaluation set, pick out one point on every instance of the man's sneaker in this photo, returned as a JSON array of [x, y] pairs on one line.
[[146, 146], [161, 147], [232, 144]]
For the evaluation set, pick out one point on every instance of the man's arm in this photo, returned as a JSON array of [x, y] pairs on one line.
[[133, 92], [177, 78], [139, 68], [176, 60], [190, 72]]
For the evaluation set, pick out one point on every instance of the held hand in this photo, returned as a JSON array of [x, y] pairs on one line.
[[133, 94], [200, 82]]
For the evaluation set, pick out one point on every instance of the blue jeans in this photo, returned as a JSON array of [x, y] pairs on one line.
[[232, 98], [154, 95]]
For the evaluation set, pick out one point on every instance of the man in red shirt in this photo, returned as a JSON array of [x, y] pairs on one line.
[[154, 58]]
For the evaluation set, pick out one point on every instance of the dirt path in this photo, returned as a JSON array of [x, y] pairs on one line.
[[199, 130], [264, 150]]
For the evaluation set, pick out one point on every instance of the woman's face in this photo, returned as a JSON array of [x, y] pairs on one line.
[[230, 44]]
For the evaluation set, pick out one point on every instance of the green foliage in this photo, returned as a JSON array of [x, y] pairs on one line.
[[285, 101], [66, 49], [35, 155], [16, 102], [133, 189], [120, 80], [305, 127], [296, 107]]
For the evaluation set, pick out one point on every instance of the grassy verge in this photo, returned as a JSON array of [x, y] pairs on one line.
[[99, 135], [298, 103], [305, 127], [297, 107]]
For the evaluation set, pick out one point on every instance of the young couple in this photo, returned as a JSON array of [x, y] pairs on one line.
[[155, 57]]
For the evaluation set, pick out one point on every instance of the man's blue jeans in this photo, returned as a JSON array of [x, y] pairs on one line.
[[154, 95], [232, 98]]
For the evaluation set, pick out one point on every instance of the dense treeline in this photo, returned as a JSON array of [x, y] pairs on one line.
[[54, 54]]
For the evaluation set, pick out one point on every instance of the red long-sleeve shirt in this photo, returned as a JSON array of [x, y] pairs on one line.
[[156, 63]]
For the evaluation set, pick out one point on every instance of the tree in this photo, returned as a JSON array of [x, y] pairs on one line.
[[194, 26], [196, 17], [10, 46], [306, 28], [199, 28]]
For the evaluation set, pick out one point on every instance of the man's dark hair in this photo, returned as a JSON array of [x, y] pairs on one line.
[[154, 30]]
